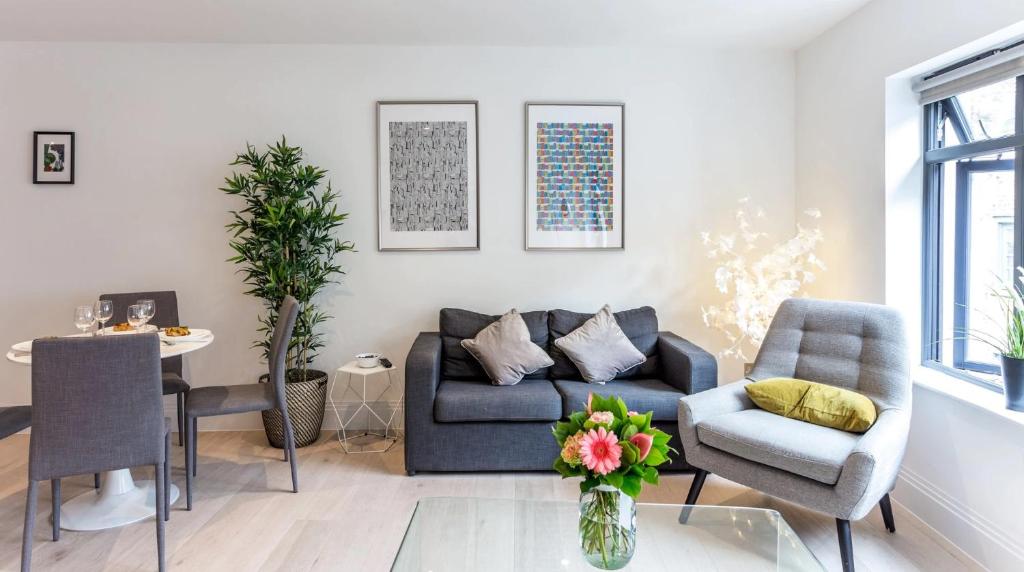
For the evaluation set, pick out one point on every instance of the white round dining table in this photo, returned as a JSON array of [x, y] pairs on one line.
[[120, 499]]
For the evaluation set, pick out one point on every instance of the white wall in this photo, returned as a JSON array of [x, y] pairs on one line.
[[157, 125], [858, 157]]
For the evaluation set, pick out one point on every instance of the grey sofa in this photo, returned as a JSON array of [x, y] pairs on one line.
[[845, 344], [456, 420]]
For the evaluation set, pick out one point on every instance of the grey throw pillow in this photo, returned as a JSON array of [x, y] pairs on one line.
[[600, 349], [505, 351]]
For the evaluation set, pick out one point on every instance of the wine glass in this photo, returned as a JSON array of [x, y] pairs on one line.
[[103, 310], [148, 309], [136, 316], [84, 318]]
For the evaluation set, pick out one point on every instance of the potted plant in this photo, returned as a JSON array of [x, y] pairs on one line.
[[615, 451], [1010, 345], [285, 244]]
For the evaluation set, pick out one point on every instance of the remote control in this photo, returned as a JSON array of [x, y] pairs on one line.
[[385, 362]]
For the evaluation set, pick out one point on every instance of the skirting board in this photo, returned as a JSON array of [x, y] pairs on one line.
[[976, 536], [251, 421]]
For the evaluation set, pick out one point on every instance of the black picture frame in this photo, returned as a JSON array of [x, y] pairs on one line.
[[69, 159]]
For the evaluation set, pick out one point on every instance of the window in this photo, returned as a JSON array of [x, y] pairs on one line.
[[973, 175]]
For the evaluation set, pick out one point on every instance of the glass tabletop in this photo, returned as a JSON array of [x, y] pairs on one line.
[[474, 534]]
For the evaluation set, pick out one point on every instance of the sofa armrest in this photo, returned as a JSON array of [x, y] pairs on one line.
[[685, 365], [422, 376], [423, 371], [871, 469]]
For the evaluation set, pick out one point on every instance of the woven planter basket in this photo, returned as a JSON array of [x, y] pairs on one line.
[[306, 403]]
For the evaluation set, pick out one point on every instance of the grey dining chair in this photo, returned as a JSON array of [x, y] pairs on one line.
[[97, 406], [14, 419], [228, 399], [166, 315], [845, 344]]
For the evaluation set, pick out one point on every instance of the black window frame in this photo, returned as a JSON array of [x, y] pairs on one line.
[[935, 155]]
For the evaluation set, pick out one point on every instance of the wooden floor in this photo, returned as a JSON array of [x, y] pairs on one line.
[[352, 512]]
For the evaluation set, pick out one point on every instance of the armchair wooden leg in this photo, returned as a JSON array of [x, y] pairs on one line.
[[696, 486], [886, 505], [691, 497], [845, 544]]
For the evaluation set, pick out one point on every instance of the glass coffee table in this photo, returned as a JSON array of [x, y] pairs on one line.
[[474, 534]]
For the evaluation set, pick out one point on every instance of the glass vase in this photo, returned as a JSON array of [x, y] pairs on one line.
[[607, 527]]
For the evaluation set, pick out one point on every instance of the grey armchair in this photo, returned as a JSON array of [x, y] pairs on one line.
[[851, 345]]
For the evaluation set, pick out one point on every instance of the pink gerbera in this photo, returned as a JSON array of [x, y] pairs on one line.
[[600, 451]]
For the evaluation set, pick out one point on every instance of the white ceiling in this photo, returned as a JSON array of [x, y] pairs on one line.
[[740, 23]]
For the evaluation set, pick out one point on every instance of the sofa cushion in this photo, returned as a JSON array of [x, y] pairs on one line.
[[457, 325], [797, 447], [640, 325], [599, 349], [817, 403], [478, 400], [505, 351], [640, 395]]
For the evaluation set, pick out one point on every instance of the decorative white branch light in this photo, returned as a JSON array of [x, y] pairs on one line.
[[757, 285]]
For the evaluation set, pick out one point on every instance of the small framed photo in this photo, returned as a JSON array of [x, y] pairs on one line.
[[428, 186], [575, 165], [53, 158]]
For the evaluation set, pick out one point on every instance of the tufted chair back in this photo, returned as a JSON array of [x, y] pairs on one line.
[[846, 344]]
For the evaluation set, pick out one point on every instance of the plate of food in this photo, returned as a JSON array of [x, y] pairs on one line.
[[120, 328], [178, 334]]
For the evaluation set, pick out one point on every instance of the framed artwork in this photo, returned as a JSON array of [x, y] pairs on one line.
[[428, 185], [574, 176], [53, 158]]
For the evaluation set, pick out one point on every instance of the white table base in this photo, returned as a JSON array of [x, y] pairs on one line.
[[390, 435], [119, 501]]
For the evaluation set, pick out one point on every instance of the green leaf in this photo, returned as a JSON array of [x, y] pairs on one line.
[[614, 479], [284, 239], [620, 409], [564, 469], [630, 452], [631, 485], [651, 475], [655, 457]]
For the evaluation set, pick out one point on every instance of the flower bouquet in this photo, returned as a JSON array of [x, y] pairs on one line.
[[615, 451]]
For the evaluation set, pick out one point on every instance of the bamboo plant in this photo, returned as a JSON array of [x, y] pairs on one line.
[[285, 242]]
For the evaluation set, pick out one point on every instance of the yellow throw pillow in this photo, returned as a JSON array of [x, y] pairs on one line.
[[814, 402]]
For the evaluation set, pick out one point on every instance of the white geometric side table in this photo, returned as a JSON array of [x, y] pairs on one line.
[[345, 434]]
